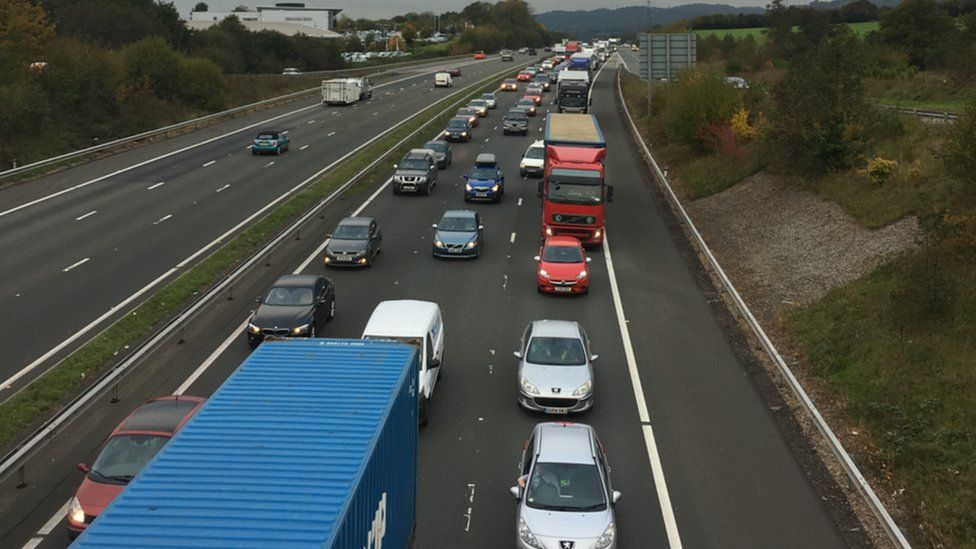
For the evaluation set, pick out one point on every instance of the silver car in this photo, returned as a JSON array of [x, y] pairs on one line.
[[565, 498], [490, 99], [555, 372]]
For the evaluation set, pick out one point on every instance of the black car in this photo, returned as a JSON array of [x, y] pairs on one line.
[[458, 129], [444, 154], [515, 121], [456, 71], [532, 51], [296, 306], [355, 242]]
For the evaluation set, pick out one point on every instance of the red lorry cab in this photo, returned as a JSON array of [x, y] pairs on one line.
[[573, 187]]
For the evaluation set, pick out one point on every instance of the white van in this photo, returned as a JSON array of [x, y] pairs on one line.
[[443, 80], [418, 323]]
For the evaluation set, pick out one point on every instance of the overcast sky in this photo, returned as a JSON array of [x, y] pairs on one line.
[[387, 8]]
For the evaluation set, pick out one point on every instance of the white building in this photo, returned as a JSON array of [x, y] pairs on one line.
[[289, 18]]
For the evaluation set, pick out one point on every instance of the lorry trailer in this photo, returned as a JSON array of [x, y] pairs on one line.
[[309, 443]]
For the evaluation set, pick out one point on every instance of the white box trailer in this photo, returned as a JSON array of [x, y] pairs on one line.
[[344, 91]]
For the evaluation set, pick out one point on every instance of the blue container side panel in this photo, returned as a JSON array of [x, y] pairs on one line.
[[274, 457]]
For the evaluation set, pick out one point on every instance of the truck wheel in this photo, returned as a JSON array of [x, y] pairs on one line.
[[423, 414]]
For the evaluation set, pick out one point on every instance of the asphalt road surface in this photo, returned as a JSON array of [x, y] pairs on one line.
[[135, 216], [731, 478]]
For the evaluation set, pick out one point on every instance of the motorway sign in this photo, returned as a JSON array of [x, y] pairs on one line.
[[664, 55]]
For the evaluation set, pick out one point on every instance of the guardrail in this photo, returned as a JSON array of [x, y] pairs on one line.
[[860, 483], [947, 116], [381, 69], [21, 454]]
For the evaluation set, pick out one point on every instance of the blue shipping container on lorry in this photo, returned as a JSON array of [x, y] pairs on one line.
[[310, 443]]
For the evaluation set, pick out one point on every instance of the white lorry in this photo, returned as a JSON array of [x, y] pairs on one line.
[[345, 91]]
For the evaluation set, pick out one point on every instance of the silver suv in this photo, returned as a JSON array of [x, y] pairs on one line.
[[416, 173], [555, 372], [565, 499]]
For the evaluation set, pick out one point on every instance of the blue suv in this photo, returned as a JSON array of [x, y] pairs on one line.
[[485, 181]]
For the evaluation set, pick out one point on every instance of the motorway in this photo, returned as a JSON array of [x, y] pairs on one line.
[[673, 393], [124, 223]]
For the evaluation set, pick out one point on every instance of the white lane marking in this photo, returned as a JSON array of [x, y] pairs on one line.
[[331, 134], [467, 525], [211, 163], [73, 265], [211, 359], [495, 128], [151, 187], [224, 187], [161, 219], [312, 121], [269, 164], [53, 521], [303, 147], [33, 542], [664, 499], [375, 113], [337, 112], [519, 202], [486, 139], [89, 214], [248, 147], [512, 239]]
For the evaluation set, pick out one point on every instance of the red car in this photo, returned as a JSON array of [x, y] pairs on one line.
[[128, 449], [535, 97], [562, 266], [509, 84], [479, 55], [470, 113], [524, 76]]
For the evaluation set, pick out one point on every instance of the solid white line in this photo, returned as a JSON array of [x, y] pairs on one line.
[[664, 500], [513, 238], [73, 265], [89, 214], [33, 542], [224, 187], [519, 202], [211, 163], [303, 147], [211, 359], [53, 521], [151, 187], [164, 218]]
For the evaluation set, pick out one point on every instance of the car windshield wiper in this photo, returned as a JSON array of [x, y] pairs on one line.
[[98, 474], [121, 478]]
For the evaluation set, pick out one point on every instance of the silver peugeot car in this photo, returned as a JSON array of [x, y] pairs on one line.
[[555, 372], [565, 499]]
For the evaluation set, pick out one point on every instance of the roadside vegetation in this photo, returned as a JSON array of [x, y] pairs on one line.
[[894, 347]]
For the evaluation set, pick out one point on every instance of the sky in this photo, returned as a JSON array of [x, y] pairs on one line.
[[375, 9]]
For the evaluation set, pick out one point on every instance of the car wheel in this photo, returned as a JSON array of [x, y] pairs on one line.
[[427, 189]]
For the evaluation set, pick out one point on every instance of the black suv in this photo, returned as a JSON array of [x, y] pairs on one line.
[[458, 129], [416, 173], [515, 121], [296, 306]]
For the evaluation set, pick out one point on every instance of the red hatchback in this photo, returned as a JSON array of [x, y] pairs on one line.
[[523, 76], [128, 449], [562, 266]]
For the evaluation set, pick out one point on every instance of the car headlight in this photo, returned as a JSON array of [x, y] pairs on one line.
[[468, 187], [527, 536], [584, 389], [75, 512], [606, 540], [581, 275], [303, 329], [528, 388], [464, 134], [438, 243], [254, 329], [543, 273], [597, 233], [521, 165], [472, 244], [548, 230], [495, 187]]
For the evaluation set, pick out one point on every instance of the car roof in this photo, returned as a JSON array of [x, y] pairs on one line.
[[439, 142], [356, 221], [459, 213], [272, 132], [162, 414], [565, 442], [563, 241], [398, 318], [296, 281], [509, 80], [460, 118], [477, 99], [421, 151], [516, 111], [556, 328], [486, 158]]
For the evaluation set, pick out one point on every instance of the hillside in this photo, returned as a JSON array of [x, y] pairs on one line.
[[606, 22]]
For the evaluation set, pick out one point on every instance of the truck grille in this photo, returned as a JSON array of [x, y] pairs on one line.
[[547, 402], [410, 179], [574, 219]]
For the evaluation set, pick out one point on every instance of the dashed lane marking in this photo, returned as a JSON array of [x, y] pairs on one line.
[[89, 214], [76, 264]]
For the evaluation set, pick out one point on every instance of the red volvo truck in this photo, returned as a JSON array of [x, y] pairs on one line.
[[573, 186]]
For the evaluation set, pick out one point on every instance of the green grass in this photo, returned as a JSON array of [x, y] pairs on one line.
[[861, 29], [897, 347], [924, 90], [43, 395]]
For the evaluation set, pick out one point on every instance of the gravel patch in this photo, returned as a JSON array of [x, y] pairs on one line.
[[784, 245]]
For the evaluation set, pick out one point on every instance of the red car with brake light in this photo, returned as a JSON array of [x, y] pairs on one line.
[[524, 76], [562, 266], [536, 98], [479, 55]]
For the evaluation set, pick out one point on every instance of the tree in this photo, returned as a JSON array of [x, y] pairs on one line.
[[922, 29], [241, 8], [409, 33], [24, 32], [780, 26], [201, 6], [959, 152]]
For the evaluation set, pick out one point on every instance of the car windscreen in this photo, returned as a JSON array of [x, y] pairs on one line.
[[284, 295], [478, 103], [510, 81], [124, 456], [526, 102], [267, 136], [535, 152], [488, 96], [467, 112], [482, 173], [563, 254], [566, 487], [556, 351], [457, 224], [516, 116], [351, 232], [458, 124], [439, 147], [413, 164]]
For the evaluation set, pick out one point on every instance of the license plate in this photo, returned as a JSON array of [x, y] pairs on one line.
[[454, 251], [481, 195], [344, 258], [563, 289], [557, 410]]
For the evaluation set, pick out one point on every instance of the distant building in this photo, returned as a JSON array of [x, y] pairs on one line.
[[289, 18]]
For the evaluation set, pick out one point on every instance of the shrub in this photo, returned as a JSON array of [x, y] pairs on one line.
[[698, 99], [879, 170], [201, 84]]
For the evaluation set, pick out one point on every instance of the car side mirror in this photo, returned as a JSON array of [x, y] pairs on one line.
[[434, 225], [594, 357], [481, 227], [83, 467], [518, 354], [588, 259], [537, 258], [328, 235], [257, 299], [516, 491], [615, 497]]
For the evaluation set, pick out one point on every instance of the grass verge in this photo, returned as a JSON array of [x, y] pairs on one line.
[[42, 396]]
